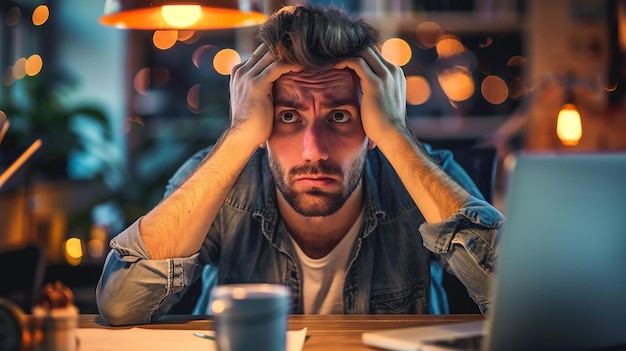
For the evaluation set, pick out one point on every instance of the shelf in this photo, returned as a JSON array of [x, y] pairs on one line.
[[459, 22]]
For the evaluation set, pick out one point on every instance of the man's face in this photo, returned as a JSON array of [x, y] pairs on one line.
[[317, 148]]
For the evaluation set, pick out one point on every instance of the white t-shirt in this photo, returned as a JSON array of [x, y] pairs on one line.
[[323, 278]]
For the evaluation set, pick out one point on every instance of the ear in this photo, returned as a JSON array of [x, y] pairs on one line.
[[370, 144]]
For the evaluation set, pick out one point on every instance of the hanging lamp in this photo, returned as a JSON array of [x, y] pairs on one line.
[[182, 14]]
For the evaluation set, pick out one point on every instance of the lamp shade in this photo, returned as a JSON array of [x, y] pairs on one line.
[[182, 14]]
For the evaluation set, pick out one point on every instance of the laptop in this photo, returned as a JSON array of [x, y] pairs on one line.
[[561, 272]]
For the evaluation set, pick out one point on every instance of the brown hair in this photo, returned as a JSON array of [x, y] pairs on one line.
[[314, 36]]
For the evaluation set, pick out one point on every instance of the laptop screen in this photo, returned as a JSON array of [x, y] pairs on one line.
[[561, 275]]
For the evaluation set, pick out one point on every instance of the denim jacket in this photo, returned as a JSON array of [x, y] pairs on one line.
[[388, 269]]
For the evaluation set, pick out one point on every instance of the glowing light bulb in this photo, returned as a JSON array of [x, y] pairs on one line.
[[181, 16], [568, 125]]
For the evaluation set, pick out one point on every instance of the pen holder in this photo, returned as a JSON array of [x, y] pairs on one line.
[[58, 328]]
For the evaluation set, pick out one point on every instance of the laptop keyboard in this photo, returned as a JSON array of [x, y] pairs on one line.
[[466, 343]]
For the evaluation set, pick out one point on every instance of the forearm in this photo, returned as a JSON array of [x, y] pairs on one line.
[[466, 242], [436, 194], [176, 227], [136, 290]]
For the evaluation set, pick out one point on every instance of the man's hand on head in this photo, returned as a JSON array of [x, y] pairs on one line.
[[383, 102], [252, 109]]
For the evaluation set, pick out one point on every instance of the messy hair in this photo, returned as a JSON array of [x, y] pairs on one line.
[[314, 36]]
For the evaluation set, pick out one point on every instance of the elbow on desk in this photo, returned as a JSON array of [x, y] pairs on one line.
[[120, 314], [118, 311]]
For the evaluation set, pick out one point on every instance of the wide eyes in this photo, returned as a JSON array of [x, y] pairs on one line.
[[292, 116], [288, 116], [340, 116]]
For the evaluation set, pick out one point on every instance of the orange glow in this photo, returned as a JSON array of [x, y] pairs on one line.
[[516, 65], [397, 51], [417, 90], [193, 98], [141, 83], [181, 16], [210, 18], [457, 84], [7, 76], [225, 60], [217, 307], [203, 56], [41, 15], [189, 36], [568, 125], [449, 46], [518, 89], [427, 34], [164, 39], [73, 251], [7, 173], [33, 65], [185, 35], [494, 90], [488, 41], [19, 69]]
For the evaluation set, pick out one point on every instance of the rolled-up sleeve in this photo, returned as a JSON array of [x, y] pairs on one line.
[[134, 289], [466, 243]]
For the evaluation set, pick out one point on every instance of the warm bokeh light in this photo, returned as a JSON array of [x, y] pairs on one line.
[[141, 83], [164, 39], [96, 246], [181, 16], [397, 51], [457, 83], [33, 65], [417, 90], [203, 56], [73, 251], [516, 65], [7, 76], [147, 78], [189, 37], [518, 89], [19, 68], [449, 46], [193, 98], [41, 15], [184, 35], [225, 60], [485, 44], [568, 125], [13, 16], [494, 89], [217, 307], [427, 34], [610, 88]]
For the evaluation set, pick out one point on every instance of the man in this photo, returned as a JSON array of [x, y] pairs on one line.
[[316, 183]]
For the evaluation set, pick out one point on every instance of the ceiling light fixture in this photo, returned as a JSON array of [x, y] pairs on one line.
[[182, 14]]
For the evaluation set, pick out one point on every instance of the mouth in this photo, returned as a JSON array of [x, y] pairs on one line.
[[314, 181]]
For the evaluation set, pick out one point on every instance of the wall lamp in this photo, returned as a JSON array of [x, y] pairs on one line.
[[182, 14]]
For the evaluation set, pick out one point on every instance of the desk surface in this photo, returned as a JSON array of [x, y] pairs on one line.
[[329, 332]]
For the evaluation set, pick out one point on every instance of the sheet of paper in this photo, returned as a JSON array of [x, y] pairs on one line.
[[137, 338]]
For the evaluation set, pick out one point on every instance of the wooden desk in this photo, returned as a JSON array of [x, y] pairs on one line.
[[331, 332]]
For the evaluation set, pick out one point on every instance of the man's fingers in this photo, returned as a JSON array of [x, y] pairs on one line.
[[259, 52]]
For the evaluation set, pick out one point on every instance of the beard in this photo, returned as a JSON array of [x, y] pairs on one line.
[[313, 201]]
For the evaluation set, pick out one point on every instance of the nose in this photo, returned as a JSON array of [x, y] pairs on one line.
[[314, 144]]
